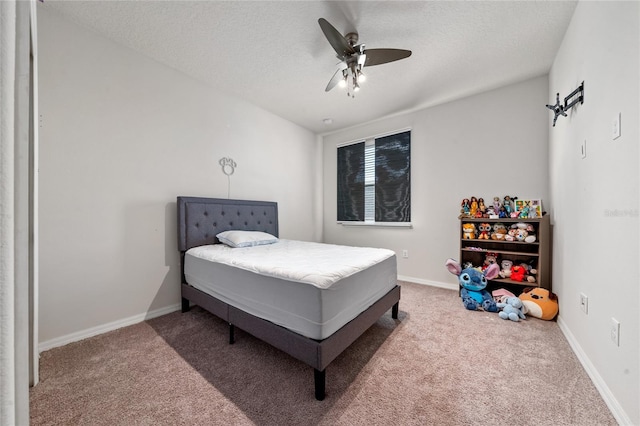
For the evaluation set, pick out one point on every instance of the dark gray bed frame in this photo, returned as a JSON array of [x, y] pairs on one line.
[[200, 220]]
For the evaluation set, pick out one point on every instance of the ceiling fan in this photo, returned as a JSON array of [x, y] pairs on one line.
[[355, 57]]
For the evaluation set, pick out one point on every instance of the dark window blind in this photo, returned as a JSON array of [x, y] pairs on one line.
[[393, 178], [351, 182], [374, 180]]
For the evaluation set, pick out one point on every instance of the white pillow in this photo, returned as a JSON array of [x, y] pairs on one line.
[[245, 238]]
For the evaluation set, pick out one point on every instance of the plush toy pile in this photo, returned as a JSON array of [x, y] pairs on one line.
[[521, 272], [534, 301], [521, 232]]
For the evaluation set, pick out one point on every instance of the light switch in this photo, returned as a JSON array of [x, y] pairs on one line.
[[583, 148]]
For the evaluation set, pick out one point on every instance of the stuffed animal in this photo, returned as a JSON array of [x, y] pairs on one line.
[[529, 273], [473, 284], [501, 295], [519, 231], [485, 228], [531, 237], [499, 231], [506, 266], [489, 259], [521, 234], [540, 303], [468, 231], [512, 309], [517, 273]]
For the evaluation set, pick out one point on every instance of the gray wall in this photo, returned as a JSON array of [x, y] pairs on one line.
[[121, 137], [490, 144], [595, 199]]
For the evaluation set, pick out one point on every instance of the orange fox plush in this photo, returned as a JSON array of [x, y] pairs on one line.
[[540, 302]]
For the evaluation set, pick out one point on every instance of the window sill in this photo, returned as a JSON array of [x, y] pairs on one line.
[[378, 224]]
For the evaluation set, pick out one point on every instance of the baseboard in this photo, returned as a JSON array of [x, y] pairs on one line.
[[448, 286], [94, 331], [616, 410]]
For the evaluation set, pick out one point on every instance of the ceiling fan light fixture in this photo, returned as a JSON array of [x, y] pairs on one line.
[[355, 57]]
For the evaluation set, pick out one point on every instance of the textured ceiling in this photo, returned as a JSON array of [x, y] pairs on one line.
[[273, 53]]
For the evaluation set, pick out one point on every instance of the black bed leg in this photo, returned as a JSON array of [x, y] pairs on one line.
[[394, 310], [185, 305], [319, 380], [232, 336]]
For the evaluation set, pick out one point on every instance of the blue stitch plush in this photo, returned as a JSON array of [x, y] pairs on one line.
[[473, 283]]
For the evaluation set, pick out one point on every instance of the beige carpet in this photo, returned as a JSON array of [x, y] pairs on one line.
[[439, 364]]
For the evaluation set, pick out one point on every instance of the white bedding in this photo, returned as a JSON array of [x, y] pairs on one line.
[[310, 288]]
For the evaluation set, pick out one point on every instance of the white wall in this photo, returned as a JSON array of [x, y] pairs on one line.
[[121, 137], [595, 200], [490, 144]]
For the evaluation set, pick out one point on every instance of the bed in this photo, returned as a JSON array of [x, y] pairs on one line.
[[312, 323]]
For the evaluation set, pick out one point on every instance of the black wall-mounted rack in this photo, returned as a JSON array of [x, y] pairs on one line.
[[560, 109]]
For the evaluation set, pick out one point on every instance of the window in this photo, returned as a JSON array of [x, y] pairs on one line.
[[374, 180]]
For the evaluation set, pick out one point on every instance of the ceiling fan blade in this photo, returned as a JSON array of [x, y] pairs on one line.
[[382, 56], [334, 80], [336, 40], [337, 77]]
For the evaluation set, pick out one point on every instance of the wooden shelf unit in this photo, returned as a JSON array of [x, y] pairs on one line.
[[536, 253]]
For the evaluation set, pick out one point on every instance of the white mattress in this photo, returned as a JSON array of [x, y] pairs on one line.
[[310, 288]]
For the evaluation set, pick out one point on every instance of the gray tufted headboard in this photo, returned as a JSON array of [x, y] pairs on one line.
[[200, 219]]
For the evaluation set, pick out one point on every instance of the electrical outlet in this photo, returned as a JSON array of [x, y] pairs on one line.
[[615, 331], [405, 254], [615, 127], [584, 303]]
